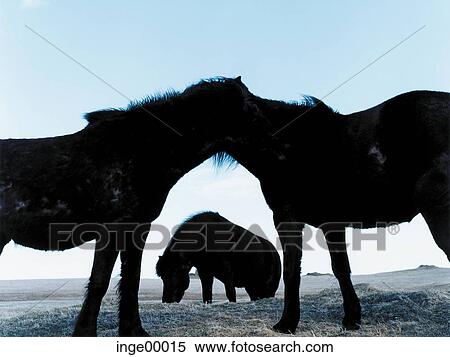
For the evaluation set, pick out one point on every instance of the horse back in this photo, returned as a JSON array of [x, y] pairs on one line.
[[414, 127]]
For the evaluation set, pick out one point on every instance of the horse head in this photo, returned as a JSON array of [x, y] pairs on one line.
[[175, 276]]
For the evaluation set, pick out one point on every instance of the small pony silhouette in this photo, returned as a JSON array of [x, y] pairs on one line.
[[218, 249]]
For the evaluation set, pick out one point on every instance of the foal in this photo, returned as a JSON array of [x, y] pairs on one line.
[[218, 249]]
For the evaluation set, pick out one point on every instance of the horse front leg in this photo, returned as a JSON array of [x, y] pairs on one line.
[[230, 291], [335, 238], [228, 281], [129, 318], [207, 280], [104, 259], [290, 234]]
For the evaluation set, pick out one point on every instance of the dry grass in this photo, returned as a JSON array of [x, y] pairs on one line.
[[393, 313]]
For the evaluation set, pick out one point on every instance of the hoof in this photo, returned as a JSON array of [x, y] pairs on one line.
[[351, 324], [352, 317], [136, 332], [285, 328], [78, 332]]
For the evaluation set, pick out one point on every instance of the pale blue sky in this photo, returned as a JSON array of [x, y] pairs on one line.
[[282, 49]]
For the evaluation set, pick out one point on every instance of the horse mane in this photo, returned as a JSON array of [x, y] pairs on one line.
[[308, 110], [119, 113], [195, 217], [157, 98], [199, 217], [313, 102], [223, 160], [307, 102], [104, 115]]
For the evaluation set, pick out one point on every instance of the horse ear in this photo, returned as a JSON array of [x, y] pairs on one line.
[[238, 79]]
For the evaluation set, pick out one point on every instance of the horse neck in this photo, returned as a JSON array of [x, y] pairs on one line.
[[189, 114], [179, 257]]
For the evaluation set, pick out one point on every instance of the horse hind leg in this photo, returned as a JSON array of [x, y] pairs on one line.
[[433, 201], [335, 238], [439, 223]]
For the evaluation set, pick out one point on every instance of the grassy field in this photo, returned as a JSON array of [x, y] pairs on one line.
[[420, 309]]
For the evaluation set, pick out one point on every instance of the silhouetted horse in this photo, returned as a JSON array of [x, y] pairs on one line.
[[118, 169], [218, 249], [381, 165]]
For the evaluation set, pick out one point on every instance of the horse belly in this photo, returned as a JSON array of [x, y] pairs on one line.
[[367, 205], [43, 232], [250, 269]]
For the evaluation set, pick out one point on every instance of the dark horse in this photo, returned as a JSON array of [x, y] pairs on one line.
[[118, 169], [371, 168], [218, 249]]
